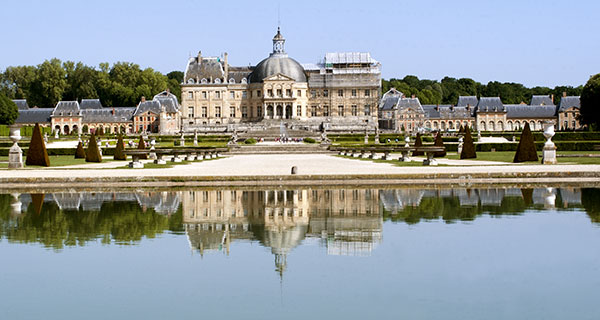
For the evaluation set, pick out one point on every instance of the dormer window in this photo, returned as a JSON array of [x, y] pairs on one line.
[[203, 81], [217, 80], [231, 80], [191, 81]]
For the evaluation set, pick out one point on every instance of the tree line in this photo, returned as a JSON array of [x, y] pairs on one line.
[[449, 89], [119, 85]]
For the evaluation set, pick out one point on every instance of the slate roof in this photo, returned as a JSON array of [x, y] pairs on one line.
[[106, 115], [348, 57], [464, 101], [208, 68], [432, 111], [168, 101], [568, 102], [490, 104], [541, 100], [147, 106], [390, 99], [90, 104], [21, 104], [34, 115], [410, 103], [519, 111], [66, 108]]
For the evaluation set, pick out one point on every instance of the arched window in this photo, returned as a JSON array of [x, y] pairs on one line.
[[531, 125], [435, 125], [231, 80], [517, 125], [500, 126], [450, 125], [428, 124], [509, 126], [244, 80], [443, 125], [204, 81], [539, 125], [191, 81], [482, 126], [491, 126]]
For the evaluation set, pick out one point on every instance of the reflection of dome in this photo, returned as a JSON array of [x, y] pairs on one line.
[[278, 64]]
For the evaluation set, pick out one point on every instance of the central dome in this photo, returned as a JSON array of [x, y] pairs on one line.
[[278, 64]]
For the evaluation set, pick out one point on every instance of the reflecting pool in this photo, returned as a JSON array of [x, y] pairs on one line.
[[346, 253]]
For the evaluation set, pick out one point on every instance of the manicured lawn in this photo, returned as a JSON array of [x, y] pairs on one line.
[[61, 161], [507, 156], [394, 162]]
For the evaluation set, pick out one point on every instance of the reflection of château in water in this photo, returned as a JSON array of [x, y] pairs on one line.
[[516, 200], [161, 202], [346, 221]]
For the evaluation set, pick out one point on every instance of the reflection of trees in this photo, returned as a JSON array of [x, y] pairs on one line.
[[450, 210], [122, 222], [590, 199]]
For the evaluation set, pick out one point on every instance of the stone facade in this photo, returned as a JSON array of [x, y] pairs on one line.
[[340, 93]]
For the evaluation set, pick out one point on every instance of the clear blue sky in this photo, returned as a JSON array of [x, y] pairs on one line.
[[533, 42]]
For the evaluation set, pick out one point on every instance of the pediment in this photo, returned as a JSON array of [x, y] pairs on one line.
[[278, 77]]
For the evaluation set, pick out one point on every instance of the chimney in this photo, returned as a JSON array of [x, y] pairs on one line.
[[226, 68], [412, 96], [113, 111], [564, 94], [168, 91], [199, 56], [437, 107], [143, 99], [552, 98]]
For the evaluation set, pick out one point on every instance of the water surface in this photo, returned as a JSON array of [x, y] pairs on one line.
[[503, 253]]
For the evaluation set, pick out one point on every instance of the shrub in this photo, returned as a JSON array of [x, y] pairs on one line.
[[92, 153], [37, 154], [418, 143], [526, 148], [80, 153], [468, 150], [439, 143], [120, 150], [309, 140], [142, 146], [250, 141]]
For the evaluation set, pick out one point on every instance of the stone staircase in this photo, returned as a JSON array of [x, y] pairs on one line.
[[283, 148]]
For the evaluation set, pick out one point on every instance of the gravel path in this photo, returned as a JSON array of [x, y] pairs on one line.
[[269, 165]]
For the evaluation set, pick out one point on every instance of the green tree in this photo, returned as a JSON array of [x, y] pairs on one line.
[[590, 102], [49, 85], [8, 110]]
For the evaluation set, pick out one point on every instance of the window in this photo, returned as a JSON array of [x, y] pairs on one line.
[[279, 92], [190, 112], [367, 109], [190, 95], [325, 93], [367, 93], [244, 94], [204, 95], [258, 93], [340, 93], [204, 112], [326, 111], [299, 93], [288, 92], [354, 92], [244, 112], [313, 111], [232, 94], [270, 93], [218, 94], [218, 112], [299, 111], [354, 110], [232, 112], [341, 111], [259, 111], [313, 93]]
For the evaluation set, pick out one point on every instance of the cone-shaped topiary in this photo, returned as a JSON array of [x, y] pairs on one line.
[[142, 146], [468, 149], [439, 143], [92, 153], [120, 149], [37, 155], [526, 148], [418, 143], [37, 199], [80, 153], [461, 129]]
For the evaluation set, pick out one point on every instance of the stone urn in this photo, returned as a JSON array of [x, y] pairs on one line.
[[15, 154], [460, 145], [152, 154], [549, 150], [407, 141]]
